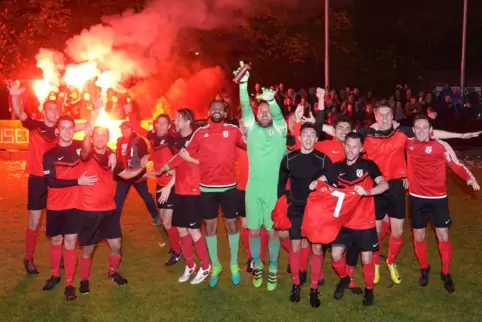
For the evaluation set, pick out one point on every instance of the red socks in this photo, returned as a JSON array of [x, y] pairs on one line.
[[394, 246], [421, 252], [245, 240], [85, 265], [384, 232], [186, 246], [376, 257], [350, 270], [30, 242], [202, 252], [174, 240], [286, 244], [264, 243], [114, 263], [369, 275], [340, 267], [305, 257], [70, 264], [445, 250], [316, 269], [55, 258], [294, 259]]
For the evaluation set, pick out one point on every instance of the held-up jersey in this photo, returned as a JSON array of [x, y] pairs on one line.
[[98, 197], [362, 173], [41, 138], [61, 171], [216, 145], [427, 163], [327, 211]]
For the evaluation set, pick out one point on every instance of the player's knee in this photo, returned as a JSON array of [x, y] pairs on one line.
[[231, 226], [182, 231], [418, 235], [88, 251], [70, 242], [336, 253], [442, 234], [296, 246], [195, 234], [366, 258], [34, 217], [317, 249], [211, 227], [254, 233], [56, 240]]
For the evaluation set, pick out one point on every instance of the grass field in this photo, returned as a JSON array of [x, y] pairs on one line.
[[153, 293]]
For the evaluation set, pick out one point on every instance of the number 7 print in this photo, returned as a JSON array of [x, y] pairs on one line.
[[341, 196]]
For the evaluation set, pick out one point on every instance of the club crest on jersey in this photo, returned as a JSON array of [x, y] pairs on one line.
[[162, 142], [225, 134], [186, 144], [412, 148], [270, 132], [359, 173], [428, 149], [78, 151]]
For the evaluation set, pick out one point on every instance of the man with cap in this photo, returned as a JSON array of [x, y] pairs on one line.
[[131, 149]]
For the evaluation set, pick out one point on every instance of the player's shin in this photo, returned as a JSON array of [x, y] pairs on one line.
[[316, 269], [30, 243], [186, 247], [445, 250], [273, 246], [420, 246], [255, 247], [202, 252], [55, 257]]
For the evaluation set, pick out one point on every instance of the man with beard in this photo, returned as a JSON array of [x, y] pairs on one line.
[[216, 145], [266, 147]]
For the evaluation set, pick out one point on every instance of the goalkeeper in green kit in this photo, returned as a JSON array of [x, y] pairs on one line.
[[266, 148]]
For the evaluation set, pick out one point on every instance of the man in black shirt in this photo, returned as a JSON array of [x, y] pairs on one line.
[[301, 167]]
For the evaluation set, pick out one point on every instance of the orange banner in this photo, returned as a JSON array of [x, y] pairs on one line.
[[13, 136]]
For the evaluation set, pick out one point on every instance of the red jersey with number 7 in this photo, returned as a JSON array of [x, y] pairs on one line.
[[328, 209]]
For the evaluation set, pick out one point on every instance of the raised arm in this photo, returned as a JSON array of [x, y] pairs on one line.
[[320, 115], [461, 170], [15, 93], [134, 122], [246, 109], [440, 134]]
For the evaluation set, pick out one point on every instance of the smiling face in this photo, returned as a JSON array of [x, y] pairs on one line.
[[217, 112], [264, 117], [422, 128], [384, 117], [66, 129], [100, 138]]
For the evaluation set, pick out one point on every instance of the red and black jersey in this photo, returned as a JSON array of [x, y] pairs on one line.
[[62, 170], [387, 149], [41, 138], [327, 211], [427, 163], [98, 197], [162, 150], [243, 168], [216, 145], [362, 173], [187, 174]]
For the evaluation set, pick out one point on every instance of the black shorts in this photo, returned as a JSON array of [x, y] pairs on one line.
[[210, 202], [423, 210], [97, 225], [366, 240], [169, 204], [62, 222], [37, 193], [188, 213], [241, 195], [295, 214], [392, 202]]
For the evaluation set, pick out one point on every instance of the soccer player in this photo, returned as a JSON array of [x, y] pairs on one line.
[[61, 166], [187, 218], [360, 231], [42, 138], [386, 147], [301, 167], [96, 208], [162, 150], [216, 145], [266, 147], [427, 159], [335, 151], [131, 148]]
